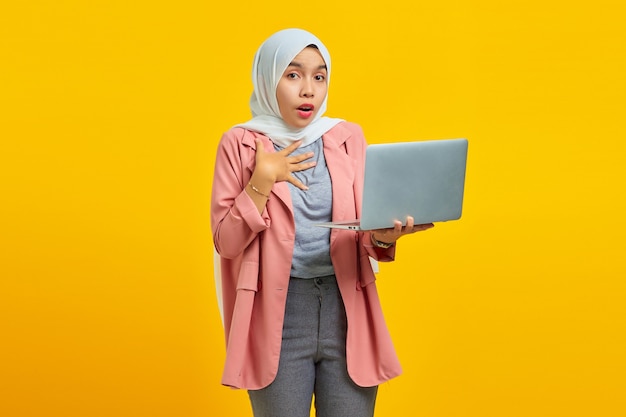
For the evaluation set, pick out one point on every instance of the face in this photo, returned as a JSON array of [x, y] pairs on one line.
[[302, 88]]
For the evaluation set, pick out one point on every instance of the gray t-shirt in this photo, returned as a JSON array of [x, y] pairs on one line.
[[311, 254]]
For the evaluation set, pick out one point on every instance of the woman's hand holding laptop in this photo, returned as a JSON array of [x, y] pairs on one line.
[[385, 238]]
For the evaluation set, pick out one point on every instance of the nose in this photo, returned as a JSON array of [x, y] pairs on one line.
[[307, 89]]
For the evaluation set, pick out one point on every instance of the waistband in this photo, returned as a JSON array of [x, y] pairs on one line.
[[328, 282]]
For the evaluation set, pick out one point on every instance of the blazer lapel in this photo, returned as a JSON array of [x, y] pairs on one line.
[[342, 170]]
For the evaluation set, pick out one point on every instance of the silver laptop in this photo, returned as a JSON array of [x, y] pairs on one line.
[[423, 179]]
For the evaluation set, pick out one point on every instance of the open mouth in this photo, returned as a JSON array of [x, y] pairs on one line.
[[306, 110]]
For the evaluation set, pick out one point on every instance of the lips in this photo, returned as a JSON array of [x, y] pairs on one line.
[[306, 110], [306, 107]]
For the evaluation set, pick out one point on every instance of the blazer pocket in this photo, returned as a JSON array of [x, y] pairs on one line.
[[367, 275], [248, 276], [367, 279]]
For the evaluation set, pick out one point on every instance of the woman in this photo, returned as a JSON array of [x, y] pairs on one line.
[[301, 310]]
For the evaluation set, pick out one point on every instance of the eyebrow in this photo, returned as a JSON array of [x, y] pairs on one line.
[[299, 65]]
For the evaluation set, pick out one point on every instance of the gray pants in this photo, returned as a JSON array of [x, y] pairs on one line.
[[313, 359]]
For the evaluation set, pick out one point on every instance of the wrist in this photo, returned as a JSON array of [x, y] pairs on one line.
[[258, 191], [260, 185], [379, 244]]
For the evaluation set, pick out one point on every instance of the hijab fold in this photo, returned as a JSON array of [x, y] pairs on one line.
[[270, 62]]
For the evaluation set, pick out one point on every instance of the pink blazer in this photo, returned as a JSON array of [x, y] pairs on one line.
[[255, 253]]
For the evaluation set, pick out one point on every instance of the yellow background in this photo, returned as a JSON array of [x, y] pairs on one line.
[[110, 112]]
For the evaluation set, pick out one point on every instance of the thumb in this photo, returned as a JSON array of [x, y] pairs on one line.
[[259, 145]]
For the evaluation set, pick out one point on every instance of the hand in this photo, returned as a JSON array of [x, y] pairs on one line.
[[393, 234], [278, 166]]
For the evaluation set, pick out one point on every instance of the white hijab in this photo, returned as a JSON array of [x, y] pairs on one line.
[[270, 62]]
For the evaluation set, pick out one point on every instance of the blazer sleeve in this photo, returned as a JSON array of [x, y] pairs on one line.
[[235, 220]]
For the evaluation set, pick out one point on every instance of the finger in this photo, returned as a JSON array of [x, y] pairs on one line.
[[409, 223], [299, 158], [301, 167], [260, 151], [296, 182], [289, 149]]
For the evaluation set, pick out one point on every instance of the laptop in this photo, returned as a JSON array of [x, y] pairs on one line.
[[422, 179]]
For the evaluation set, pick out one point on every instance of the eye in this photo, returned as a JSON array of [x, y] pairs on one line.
[[320, 78], [292, 75]]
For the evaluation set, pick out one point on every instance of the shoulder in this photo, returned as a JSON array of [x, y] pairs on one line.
[[237, 137], [236, 134], [346, 128], [346, 133]]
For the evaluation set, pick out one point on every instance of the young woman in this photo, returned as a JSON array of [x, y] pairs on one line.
[[301, 311]]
